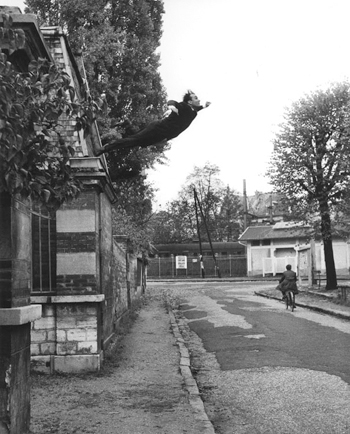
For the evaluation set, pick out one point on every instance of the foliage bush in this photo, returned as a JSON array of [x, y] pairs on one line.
[[34, 157]]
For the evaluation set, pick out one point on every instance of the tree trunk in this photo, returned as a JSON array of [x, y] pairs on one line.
[[328, 248]]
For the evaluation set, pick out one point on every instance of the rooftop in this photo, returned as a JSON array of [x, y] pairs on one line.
[[277, 231]]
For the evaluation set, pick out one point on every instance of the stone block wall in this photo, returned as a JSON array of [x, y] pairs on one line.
[[66, 329], [124, 292], [77, 329], [43, 332]]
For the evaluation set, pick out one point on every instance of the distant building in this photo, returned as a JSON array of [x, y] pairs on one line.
[[271, 247], [266, 208]]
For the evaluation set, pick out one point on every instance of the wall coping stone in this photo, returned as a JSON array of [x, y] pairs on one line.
[[84, 298], [86, 163], [19, 315]]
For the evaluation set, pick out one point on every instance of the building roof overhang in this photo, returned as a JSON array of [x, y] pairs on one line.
[[35, 46]]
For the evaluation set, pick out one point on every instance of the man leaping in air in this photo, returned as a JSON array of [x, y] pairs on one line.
[[176, 119]]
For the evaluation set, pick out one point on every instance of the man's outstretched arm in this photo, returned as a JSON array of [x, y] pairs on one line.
[[201, 107]]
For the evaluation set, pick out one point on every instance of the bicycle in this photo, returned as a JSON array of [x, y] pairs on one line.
[[289, 298]]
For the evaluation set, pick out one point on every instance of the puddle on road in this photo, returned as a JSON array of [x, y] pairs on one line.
[[216, 315], [255, 336]]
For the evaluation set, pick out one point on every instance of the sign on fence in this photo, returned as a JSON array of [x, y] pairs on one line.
[[181, 262]]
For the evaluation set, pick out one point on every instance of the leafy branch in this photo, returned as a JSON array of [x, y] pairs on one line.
[[34, 153]]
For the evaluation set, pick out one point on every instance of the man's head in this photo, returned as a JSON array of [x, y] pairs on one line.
[[288, 267], [191, 99]]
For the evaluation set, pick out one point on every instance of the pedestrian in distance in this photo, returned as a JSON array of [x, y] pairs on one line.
[[175, 120], [288, 282]]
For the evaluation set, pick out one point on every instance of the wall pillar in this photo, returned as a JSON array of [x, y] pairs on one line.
[[16, 315], [79, 300]]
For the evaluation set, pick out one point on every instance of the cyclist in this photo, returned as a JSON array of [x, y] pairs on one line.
[[288, 282]]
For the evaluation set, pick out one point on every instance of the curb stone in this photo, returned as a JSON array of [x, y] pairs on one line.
[[190, 383], [331, 312]]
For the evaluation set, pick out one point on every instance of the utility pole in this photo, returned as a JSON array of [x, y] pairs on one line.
[[206, 227], [244, 206], [270, 208], [199, 236]]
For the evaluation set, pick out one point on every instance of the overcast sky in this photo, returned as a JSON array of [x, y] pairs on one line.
[[251, 59], [20, 4]]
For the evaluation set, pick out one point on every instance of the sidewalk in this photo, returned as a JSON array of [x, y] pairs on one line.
[[317, 300], [148, 387]]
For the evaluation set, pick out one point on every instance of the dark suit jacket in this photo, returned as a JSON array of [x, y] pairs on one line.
[[175, 124]]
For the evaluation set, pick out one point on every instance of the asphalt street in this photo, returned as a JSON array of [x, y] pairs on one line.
[[262, 369]]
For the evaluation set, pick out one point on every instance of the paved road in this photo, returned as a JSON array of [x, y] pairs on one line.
[[263, 369]]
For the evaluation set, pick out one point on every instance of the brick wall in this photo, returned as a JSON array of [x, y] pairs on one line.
[[97, 284], [77, 246], [55, 40]]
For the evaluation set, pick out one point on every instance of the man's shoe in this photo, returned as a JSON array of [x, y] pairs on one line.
[[123, 124], [99, 151]]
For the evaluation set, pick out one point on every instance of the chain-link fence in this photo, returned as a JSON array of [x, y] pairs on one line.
[[229, 266]]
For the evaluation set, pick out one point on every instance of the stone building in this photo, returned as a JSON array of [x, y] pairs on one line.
[[66, 280]]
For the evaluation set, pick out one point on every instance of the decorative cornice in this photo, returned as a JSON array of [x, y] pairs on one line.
[[91, 171]]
